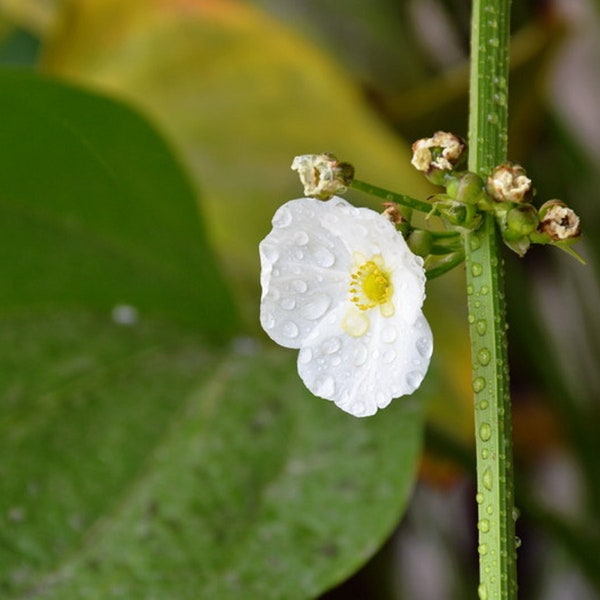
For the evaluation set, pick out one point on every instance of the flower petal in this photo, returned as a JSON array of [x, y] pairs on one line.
[[305, 270], [362, 374]]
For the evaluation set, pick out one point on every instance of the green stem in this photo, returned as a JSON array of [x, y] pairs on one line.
[[487, 142], [389, 196]]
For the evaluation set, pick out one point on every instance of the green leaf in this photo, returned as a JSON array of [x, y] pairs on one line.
[[136, 465], [96, 212]]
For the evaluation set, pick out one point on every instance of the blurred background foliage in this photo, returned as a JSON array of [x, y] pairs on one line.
[[240, 87]]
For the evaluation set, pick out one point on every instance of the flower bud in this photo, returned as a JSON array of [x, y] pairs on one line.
[[558, 222], [323, 175], [457, 214], [437, 155], [509, 183], [420, 242], [521, 220], [468, 188]]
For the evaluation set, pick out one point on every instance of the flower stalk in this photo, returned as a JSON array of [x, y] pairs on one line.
[[486, 309]]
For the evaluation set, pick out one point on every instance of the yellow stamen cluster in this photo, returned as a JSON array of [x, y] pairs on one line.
[[370, 285]]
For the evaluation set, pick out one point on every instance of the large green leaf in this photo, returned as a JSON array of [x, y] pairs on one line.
[[136, 460], [135, 465], [96, 212]]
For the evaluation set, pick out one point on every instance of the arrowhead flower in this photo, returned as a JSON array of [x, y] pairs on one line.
[[340, 284]]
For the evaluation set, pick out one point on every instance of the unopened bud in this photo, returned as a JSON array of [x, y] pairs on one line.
[[420, 242], [521, 220], [558, 221], [509, 183], [467, 188], [323, 175], [441, 152]]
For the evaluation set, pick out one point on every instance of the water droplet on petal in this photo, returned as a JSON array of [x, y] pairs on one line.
[[325, 386], [355, 323], [299, 286], [360, 355], [305, 356], [414, 379], [282, 218], [331, 345], [290, 329], [316, 307], [324, 258], [269, 321], [425, 347], [288, 304], [389, 356], [298, 253], [389, 334], [301, 238], [270, 253]]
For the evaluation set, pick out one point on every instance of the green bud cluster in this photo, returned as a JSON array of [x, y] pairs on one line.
[[507, 193]]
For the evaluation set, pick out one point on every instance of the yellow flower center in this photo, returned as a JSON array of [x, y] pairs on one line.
[[370, 285]]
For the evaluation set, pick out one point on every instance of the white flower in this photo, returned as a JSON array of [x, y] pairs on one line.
[[340, 284]]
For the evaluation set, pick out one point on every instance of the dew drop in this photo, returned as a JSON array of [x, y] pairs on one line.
[[298, 253], [269, 253], [484, 290], [492, 118], [474, 242], [485, 432], [483, 404], [482, 549], [290, 329], [324, 258], [471, 319], [316, 307], [299, 286], [414, 379], [518, 542], [494, 42], [282, 218], [331, 345], [478, 384], [301, 238], [360, 355], [425, 347], [484, 356], [476, 269], [288, 304], [389, 356], [470, 290], [305, 356], [481, 327], [485, 454], [389, 334], [483, 525], [487, 479], [325, 387], [489, 509], [479, 498], [269, 321], [482, 592]]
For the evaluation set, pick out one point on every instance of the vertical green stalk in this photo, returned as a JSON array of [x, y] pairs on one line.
[[487, 148]]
